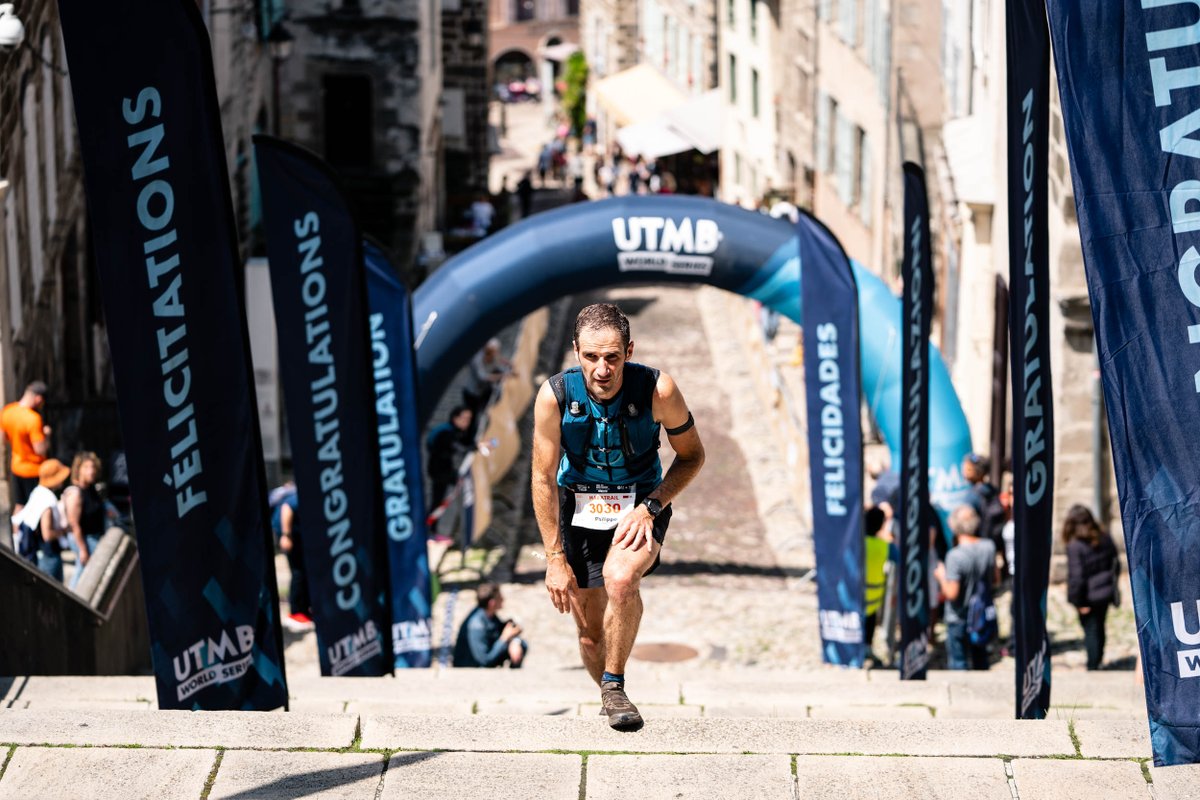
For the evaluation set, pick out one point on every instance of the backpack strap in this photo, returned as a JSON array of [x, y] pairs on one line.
[[558, 386]]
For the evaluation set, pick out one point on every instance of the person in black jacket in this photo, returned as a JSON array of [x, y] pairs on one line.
[[1092, 569]]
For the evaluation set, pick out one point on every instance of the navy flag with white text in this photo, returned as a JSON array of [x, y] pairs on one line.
[[1129, 82], [163, 231], [914, 514], [319, 290], [1029, 336], [829, 297], [394, 370]]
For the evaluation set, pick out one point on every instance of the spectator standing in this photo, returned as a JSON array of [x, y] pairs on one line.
[[986, 499], [544, 164], [29, 438], [40, 523], [606, 177], [285, 518], [84, 511], [525, 194], [971, 560], [503, 205], [483, 214], [486, 370], [485, 640], [1092, 570], [447, 444], [875, 558]]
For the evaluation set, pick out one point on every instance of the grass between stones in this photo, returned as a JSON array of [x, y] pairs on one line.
[[7, 758], [1074, 738], [583, 778], [212, 776], [1144, 763]]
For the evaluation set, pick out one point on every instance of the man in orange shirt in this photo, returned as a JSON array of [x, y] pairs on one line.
[[29, 438]]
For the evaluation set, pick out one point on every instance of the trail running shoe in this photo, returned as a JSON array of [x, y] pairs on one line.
[[622, 714]]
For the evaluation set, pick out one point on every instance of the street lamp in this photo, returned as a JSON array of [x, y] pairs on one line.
[[279, 46], [12, 31]]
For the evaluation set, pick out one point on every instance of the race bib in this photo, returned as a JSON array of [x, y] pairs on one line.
[[601, 511]]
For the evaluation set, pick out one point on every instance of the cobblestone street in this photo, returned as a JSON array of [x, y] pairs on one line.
[[720, 589]]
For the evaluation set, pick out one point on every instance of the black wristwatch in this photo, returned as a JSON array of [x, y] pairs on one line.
[[653, 506]]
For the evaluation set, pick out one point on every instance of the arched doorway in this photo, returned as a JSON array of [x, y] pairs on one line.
[[513, 67], [668, 239]]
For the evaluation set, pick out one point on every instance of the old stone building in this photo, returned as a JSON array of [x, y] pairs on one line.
[[465, 94], [797, 99], [51, 314], [523, 34], [51, 325], [363, 89]]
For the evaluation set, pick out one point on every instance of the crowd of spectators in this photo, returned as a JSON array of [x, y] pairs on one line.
[[55, 508]]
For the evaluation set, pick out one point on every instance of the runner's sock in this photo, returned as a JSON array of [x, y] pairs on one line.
[[609, 676]]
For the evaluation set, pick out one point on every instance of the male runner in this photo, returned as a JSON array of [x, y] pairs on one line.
[[601, 500]]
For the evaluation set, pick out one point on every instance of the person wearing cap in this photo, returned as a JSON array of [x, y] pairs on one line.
[[41, 523], [29, 438]]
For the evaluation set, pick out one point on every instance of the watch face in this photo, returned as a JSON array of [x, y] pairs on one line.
[[654, 507]]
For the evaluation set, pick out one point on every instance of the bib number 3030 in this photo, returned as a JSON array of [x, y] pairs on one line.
[[601, 511]]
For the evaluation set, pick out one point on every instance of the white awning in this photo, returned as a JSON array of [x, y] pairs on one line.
[[691, 125], [653, 139], [637, 94], [699, 121]]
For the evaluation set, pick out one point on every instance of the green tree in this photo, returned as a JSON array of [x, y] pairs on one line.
[[574, 97]]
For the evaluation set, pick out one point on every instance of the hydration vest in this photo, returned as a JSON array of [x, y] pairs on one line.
[[615, 442]]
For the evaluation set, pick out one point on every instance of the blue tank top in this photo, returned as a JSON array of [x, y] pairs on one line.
[[614, 443]]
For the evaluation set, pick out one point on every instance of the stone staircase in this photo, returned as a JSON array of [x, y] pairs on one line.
[[710, 733]]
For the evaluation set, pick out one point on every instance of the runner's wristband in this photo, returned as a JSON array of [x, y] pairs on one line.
[[553, 554], [684, 428]]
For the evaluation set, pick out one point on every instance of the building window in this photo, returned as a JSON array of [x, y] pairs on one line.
[[859, 155], [732, 79], [737, 168], [572, 8], [525, 10], [864, 179], [831, 140], [729, 11], [754, 19], [754, 92], [348, 121]]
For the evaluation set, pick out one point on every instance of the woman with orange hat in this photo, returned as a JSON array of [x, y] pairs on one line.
[[41, 523]]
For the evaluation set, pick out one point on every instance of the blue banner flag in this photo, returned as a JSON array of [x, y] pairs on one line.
[[831, 378], [1029, 334], [163, 232], [914, 511], [1129, 83], [319, 290], [394, 369]]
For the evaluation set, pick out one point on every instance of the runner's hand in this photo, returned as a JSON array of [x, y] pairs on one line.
[[634, 529], [560, 582]]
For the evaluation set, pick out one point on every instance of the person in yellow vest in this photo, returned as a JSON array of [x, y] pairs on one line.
[[875, 557]]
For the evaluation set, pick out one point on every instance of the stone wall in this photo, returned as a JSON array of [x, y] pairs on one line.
[[51, 326], [396, 189], [467, 89]]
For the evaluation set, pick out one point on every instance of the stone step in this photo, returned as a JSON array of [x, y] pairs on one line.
[[165, 754], [670, 691]]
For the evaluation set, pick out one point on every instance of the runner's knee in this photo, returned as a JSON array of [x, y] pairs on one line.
[[621, 582]]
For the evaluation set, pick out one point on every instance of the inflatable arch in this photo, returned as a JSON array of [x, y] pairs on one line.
[[668, 239]]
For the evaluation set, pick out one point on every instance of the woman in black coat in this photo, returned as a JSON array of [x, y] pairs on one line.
[[1092, 569]]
